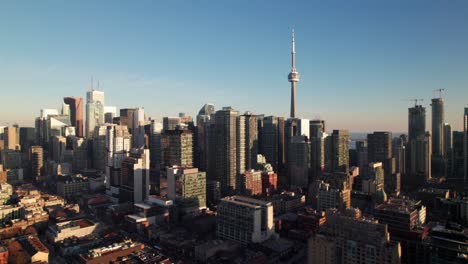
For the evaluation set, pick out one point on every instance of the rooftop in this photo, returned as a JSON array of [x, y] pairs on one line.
[[246, 201], [399, 205], [81, 223]]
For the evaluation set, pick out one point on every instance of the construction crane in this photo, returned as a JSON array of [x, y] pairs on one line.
[[416, 101], [440, 92]]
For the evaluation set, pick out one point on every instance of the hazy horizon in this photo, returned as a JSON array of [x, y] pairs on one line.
[[359, 65]]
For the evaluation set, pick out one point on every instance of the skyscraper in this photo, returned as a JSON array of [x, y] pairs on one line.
[[438, 128], [337, 151], [416, 122], [226, 149], [272, 138], [458, 157], [138, 128], [379, 147], [12, 139], [317, 148], [247, 138], [36, 157], [419, 147], [185, 183], [26, 138], [420, 160], [201, 141], [94, 111], [299, 162], [134, 183], [118, 144], [465, 144], [99, 147], [155, 154], [447, 139], [293, 78], [76, 113], [177, 148]]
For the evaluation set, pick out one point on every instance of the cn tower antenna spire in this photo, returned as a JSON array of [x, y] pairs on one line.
[[293, 53], [293, 76]]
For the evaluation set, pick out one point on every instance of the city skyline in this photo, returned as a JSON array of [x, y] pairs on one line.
[[347, 69]]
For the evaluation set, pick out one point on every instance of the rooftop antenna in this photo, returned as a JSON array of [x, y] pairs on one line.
[[416, 101], [92, 83], [439, 91]]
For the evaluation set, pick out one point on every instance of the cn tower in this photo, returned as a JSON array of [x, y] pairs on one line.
[[293, 77]]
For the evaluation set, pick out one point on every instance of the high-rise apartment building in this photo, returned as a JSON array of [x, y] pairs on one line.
[[458, 157], [245, 220], [26, 138], [465, 144], [247, 138], [399, 154], [135, 182], [99, 147], [448, 142], [185, 183], [155, 154], [138, 128], [272, 138], [41, 126], [36, 157], [94, 111], [299, 162], [348, 237], [201, 141], [420, 160], [337, 151], [177, 148], [80, 154], [118, 145], [416, 122], [362, 154], [226, 149], [438, 128], [379, 146], [76, 113], [294, 127], [12, 138], [126, 117], [419, 148], [317, 148]]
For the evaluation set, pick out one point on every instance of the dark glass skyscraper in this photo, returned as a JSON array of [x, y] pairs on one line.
[[226, 149], [438, 127]]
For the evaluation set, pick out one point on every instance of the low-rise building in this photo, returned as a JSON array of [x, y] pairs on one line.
[[75, 228], [10, 212], [110, 253], [69, 186]]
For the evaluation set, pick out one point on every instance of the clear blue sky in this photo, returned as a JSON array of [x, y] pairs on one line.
[[359, 60]]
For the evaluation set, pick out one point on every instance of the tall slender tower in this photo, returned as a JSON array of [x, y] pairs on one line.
[[293, 77], [438, 127]]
